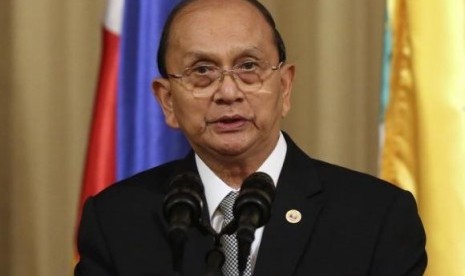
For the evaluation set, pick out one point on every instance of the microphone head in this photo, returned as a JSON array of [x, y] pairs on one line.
[[257, 192], [185, 191]]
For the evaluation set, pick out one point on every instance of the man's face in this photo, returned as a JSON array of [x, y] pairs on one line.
[[229, 122]]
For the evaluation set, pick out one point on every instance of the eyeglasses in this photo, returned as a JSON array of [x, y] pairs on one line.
[[204, 79]]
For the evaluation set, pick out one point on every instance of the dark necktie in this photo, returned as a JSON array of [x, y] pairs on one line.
[[229, 242]]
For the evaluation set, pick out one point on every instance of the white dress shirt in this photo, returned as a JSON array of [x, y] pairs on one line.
[[216, 189]]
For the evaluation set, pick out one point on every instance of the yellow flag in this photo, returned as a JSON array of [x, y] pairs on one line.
[[424, 148]]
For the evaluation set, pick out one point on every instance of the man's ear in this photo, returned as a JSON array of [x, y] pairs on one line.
[[162, 90], [287, 80]]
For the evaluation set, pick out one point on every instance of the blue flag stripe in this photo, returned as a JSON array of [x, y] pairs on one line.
[[143, 138]]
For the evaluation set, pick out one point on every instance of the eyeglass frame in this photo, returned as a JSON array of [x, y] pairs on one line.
[[233, 71]]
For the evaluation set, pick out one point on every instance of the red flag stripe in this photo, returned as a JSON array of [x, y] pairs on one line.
[[101, 153]]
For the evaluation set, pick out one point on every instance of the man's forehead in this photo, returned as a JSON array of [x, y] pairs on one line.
[[221, 31], [244, 51], [206, 23], [206, 17]]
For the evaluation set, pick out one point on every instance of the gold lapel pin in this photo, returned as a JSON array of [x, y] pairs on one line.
[[293, 216]]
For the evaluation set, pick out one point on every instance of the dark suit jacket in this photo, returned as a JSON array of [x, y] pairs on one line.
[[352, 224]]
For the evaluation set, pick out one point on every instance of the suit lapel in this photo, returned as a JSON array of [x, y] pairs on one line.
[[298, 189]]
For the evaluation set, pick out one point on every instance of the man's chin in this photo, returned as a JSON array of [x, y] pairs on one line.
[[231, 148]]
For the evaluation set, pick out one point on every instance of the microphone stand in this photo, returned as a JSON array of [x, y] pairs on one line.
[[214, 257], [177, 248], [177, 236], [243, 253], [245, 234]]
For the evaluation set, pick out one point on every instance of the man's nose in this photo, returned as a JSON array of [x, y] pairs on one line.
[[228, 91]]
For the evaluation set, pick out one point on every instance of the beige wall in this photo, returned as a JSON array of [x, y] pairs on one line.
[[49, 53], [336, 45]]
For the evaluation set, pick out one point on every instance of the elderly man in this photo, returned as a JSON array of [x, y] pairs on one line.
[[226, 84]]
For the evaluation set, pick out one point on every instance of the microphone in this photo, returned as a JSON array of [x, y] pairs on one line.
[[252, 210], [182, 208]]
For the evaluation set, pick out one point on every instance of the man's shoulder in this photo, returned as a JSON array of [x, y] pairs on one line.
[[151, 182], [354, 192], [341, 182], [337, 177]]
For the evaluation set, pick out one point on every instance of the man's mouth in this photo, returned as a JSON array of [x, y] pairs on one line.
[[229, 123]]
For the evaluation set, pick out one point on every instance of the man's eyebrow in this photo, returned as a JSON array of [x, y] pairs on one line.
[[197, 55]]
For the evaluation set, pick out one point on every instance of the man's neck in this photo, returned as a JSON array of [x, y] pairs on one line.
[[232, 170]]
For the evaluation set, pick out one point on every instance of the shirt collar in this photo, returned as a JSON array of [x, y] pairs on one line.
[[216, 189]]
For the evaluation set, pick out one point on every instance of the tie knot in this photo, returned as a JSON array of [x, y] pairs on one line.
[[226, 206]]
